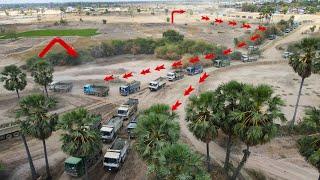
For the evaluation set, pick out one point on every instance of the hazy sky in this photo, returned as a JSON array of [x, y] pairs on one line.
[[61, 1]]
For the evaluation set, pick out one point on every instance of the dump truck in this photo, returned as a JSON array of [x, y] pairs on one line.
[[97, 90], [116, 155], [157, 84], [60, 86], [221, 63], [9, 130], [193, 70], [130, 88], [131, 126], [128, 109], [175, 75], [110, 129]]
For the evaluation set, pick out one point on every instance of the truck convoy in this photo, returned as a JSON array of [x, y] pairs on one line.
[[97, 90], [60, 86], [110, 129], [193, 70], [175, 75], [116, 154], [157, 84], [129, 88], [128, 109]]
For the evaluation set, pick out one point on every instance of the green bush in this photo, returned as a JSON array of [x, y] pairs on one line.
[[236, 55], [173, 36]]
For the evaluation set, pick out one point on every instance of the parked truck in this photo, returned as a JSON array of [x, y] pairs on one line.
[[193, 70], [9, 130], [97, 90], [157, 84], [175, 75], [130, 88], [60, 86], [128, 109], [221, 63], [131, 126], [110, 129], [116, 155]]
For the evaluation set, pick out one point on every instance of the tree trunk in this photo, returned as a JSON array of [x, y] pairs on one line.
[[46, 159], [33, 170], [86, 169], [45, 88], [246, 154], [297, 103], [229, 144], [17, 91], [208, 158]]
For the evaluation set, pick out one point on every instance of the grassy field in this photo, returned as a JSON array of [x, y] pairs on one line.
[[54, 32]]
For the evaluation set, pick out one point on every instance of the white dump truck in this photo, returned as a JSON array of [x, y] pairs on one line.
[[9, 130], [157, 84], [110, 129], [128, 109], [60, 86], [116, 155], [175, 75]]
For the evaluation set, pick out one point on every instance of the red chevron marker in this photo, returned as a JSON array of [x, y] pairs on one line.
[[255, 37], [66, 46], [246, 26], [241, 44], [227, 51], [232, 23], [209, 56], [176, 64], [174, 12], [188, 91], [145, 71], [194, 60], [158, 68], [262, 28], [203, 77], [127, 75], [109, 78], [176, 105], [218, 21], [205, 18]]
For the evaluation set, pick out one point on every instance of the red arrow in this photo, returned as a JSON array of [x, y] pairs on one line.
[[158, 68], [205, 18], [55, 40], [176, 11], [109, 78], [176, 64], [227, 51], [241, 44], [188, 91], [218, 21], [176, 105], [194, 59], [203, 77], [232, 23], [145, 71], [262, 28], [209, 56], [255, 37], [246, 26], [127, 75]]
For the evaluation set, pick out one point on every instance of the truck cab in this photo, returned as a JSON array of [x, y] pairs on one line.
[[171, 76], [112, 161], [124, 90], [74, 166], [131, 126], [153, 85], [123, 111], [107, 132], [115, 155], [193, 70]]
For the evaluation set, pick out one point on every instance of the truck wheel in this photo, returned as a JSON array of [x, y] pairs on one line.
[[9, 136], [16, 134]]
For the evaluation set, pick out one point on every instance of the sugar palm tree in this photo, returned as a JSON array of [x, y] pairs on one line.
[[77, 140], [38, 123], [14, 79], [42, 73], [305, 62], [202, 116], [255, 119]]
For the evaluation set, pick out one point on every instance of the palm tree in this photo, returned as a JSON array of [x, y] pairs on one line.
[[202, 115], [42, 73], [38, 123], [255, 119], [77, 140], [177, 161], [14, 79], [311, 121], [304, 62]]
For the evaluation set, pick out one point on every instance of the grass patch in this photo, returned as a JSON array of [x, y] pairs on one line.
[[258, 175], [56, 32]]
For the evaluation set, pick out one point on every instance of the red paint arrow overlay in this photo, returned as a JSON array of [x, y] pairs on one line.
[[127, 75], [241, 44], [205, 18], [174, 12], [158, 68], [145, 71], [66, 46], [188, 91], [176, 64], [232, 23], [210, 56], [262, 28], [227, 51], [218, 21], [255, 37], [109, 78], [194, 60], [246, 26], [203, 77], [176, 105]]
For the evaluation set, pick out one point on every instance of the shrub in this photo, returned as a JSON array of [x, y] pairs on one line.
[[173, 36], [236, 55]]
